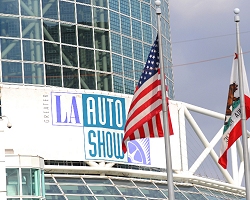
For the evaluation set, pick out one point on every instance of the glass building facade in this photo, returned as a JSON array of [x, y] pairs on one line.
[[81, 44]]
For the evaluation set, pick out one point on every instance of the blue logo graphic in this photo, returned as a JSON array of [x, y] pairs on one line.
[[139, 151]]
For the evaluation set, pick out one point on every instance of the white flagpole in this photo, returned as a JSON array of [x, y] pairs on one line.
[[165, 109], [242, 107]]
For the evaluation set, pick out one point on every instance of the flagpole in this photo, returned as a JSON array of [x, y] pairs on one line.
[[165, 109], [242, 107]]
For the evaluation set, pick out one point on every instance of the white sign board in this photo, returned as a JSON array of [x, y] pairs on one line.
[[79, 125]]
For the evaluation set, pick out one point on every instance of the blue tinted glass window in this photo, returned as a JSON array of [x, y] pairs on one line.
[[70, 56], [84, 1], [147, 33], [11, 49], [9, 7], [12, 72], [85, 36], [164, 46], [32, 50], [54, 197], [102, 39], [137, 47], [125, 25], [30, 8], [127, 47], [104, 82], [70, 79], [117, 64], [67, 11], [86, 58], [128, 68], [146, 49], [114, 21], [101, 3], [68, 33], [135, 9], [116, 43], [50, 9], [114, 5], [138, 68], [84, 15], [103, 61], [136, 29], [118, 84], [168, 31], [33, 73], [154, 18], [129, 86], [31, 28], [101, 18], [146, 15], [125, 7], [169, 50], [9, 26], [87, 80], [51, 31], [52, 53], [53, 77], [163, 27]]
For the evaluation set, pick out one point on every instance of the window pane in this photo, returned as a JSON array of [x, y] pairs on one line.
[[68, 34], [12, 181], [117, 64], [52, 189], [84, 1], [84, 15], [57, 197], [12, 72], [70, 56], [11, 49], [80, 197], [9, 26], [138, 53], [85, 36], [30, 8], [69, 180], [32, 51], [49, 180], [67, 11], [135, 9], [102, 3], [53, 75], [104, 190], [102, 39], [129, 86], [152, 193], [9, 7], [114, 5], [104, 82], [130, 191], [144, 184], [31, 182], [127, 47], [101, 18], [52, 53], [75, 189], [118, 84], [31, 28], [50, 9], [51, 31], [103, 61], [128, 68], [123, 182], [87, 80], [86, 58], [136, 29], [124, 7], [146, 15], [125, 25], [116, 43], [115, 21], [97, 181], [33, 73], [70, 78]]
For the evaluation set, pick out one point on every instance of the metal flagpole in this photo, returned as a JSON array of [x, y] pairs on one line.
[[165, 109], [242, 107]]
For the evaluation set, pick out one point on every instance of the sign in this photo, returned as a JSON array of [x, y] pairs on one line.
[[79, 125]]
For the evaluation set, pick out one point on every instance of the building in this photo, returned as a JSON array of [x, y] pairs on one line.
[[68, 69]]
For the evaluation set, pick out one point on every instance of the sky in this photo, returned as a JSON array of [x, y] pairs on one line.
[[203, 34]]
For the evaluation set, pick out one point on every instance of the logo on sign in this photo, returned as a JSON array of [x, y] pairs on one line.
[[104, 119], [66, 109], [139, 151]]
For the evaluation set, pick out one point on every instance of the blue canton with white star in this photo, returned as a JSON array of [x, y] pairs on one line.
[[152, 64]]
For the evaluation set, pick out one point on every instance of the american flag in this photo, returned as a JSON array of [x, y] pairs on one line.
[[145, 113]]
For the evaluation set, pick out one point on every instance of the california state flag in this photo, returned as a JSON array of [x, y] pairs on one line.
[[232, 125]]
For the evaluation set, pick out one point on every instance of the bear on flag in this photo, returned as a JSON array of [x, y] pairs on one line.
[[232, 125]]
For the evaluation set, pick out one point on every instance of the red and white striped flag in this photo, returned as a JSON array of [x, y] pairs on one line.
[[232, 125], [145, 113]]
